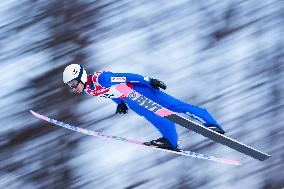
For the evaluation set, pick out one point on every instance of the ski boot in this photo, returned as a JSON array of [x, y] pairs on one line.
[[161, 143]]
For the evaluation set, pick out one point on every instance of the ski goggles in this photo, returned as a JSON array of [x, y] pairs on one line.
[[73, 84]]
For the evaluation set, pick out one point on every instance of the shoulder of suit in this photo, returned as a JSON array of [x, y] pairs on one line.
[[97, 74]]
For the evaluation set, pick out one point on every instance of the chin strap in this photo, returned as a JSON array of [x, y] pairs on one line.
[[85, 85], [80, 74]]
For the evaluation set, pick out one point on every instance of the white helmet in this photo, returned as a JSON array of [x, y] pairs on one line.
[[75, 71]]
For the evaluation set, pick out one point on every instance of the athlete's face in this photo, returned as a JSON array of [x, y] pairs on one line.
[[79, 88]]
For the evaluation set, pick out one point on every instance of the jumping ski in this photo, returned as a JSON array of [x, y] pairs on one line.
[[102, 135], [189, 124]]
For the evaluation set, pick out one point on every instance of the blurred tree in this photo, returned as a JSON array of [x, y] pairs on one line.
[[60, 28]]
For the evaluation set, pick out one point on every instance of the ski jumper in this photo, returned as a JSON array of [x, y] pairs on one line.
[[101, 84]]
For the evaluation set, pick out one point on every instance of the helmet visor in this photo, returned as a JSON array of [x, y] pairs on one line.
[[73, 84]]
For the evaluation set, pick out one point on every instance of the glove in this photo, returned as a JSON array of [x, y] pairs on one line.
[[121, 108], [156, 84]]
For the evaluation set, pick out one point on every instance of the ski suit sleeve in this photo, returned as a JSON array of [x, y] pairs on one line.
[[107, 79]]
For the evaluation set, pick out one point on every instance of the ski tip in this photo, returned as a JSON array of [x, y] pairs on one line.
[[35, 114], [32, 112], [39, 115], [267, 156]]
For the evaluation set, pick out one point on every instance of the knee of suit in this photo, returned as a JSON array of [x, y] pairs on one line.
[[201, 111]]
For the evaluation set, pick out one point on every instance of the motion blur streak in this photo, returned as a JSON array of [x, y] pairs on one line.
[[226, 56]]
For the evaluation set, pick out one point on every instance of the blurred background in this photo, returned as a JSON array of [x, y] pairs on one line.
[[225, 56]]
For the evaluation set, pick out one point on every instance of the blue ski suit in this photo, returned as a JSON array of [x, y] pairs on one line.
[[102, 84]]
